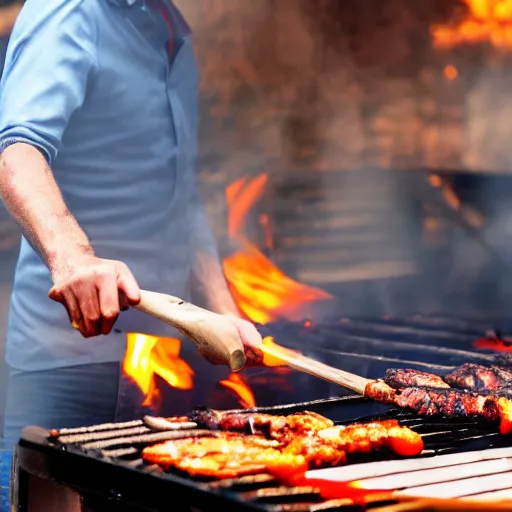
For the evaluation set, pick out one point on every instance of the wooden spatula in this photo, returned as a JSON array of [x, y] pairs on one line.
[[216, 336]]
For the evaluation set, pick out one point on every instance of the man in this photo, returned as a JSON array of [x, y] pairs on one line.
[[98, 129]]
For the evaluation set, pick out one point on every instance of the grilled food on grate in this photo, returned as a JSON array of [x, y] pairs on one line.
[[405, 378], [281, 428], [447, 402], [475, 377], [226, 457], [297, 449]]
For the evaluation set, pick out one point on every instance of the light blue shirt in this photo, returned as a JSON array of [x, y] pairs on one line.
[[91, 85]]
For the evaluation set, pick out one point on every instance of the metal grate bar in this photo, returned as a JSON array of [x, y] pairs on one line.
[[462, 488], [107, 434], [395, 467], [122, 452], [147, 439], [96, 428]]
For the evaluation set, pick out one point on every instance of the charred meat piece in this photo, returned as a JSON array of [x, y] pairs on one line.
[[406, 378], [475, 377], [330, 445], [226, 457], [281, 428], [446, 402]]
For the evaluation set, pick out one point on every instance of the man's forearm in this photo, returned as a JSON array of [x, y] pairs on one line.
[[32, 196]]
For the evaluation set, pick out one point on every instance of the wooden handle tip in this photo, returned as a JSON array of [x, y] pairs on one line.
[[237, 360]]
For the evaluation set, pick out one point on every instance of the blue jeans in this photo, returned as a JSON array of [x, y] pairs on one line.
[[67, 397]]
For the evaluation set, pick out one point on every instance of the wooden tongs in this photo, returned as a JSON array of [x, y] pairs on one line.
[[216, 336], [302, 363], [218, 339]]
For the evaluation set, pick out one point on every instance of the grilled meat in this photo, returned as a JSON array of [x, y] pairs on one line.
[[232, 454], [475, 377], [330, 445], [448, 402], [405, 378], [226, 457], [281, 428], [381, 392]]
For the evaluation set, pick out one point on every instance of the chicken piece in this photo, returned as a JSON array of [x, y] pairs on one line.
[[226, 457], [478, 378], [331, 445], [405, 378]]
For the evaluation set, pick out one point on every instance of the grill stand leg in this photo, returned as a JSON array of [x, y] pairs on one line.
[[30, 493]]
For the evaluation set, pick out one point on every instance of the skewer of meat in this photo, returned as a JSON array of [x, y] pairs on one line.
[[428, 401], [471, 377], [447, 402]]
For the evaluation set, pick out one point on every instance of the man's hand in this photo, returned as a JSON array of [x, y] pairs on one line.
[[251, 340], [91, 290]]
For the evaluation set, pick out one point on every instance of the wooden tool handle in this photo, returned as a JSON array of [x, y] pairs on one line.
[[216, 336], [306, 364]]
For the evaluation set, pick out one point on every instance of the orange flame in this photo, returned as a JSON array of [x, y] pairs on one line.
[[241, 196], [236, 383], [493, 344], [148, 356], [260, 289], [487, 21], [275, 355]]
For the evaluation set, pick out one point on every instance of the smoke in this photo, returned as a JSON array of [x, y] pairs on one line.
[[349, 107]]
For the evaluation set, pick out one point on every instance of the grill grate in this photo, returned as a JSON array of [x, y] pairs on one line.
[[110, 456]]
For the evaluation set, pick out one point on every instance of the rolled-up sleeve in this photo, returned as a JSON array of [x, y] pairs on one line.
[[51, 54]]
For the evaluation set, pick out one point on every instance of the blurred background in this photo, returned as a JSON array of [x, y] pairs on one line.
[[355, 155]]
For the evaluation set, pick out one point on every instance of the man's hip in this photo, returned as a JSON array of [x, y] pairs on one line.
[[65, 397]]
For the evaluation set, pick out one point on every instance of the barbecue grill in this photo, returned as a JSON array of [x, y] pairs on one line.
[[103, 462]]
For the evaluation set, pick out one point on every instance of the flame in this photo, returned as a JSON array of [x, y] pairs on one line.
[[354, 492], [241, 196], [487, 21], [261, 290], [496, 344], [148, 356], [236, 383], [274, 354]]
